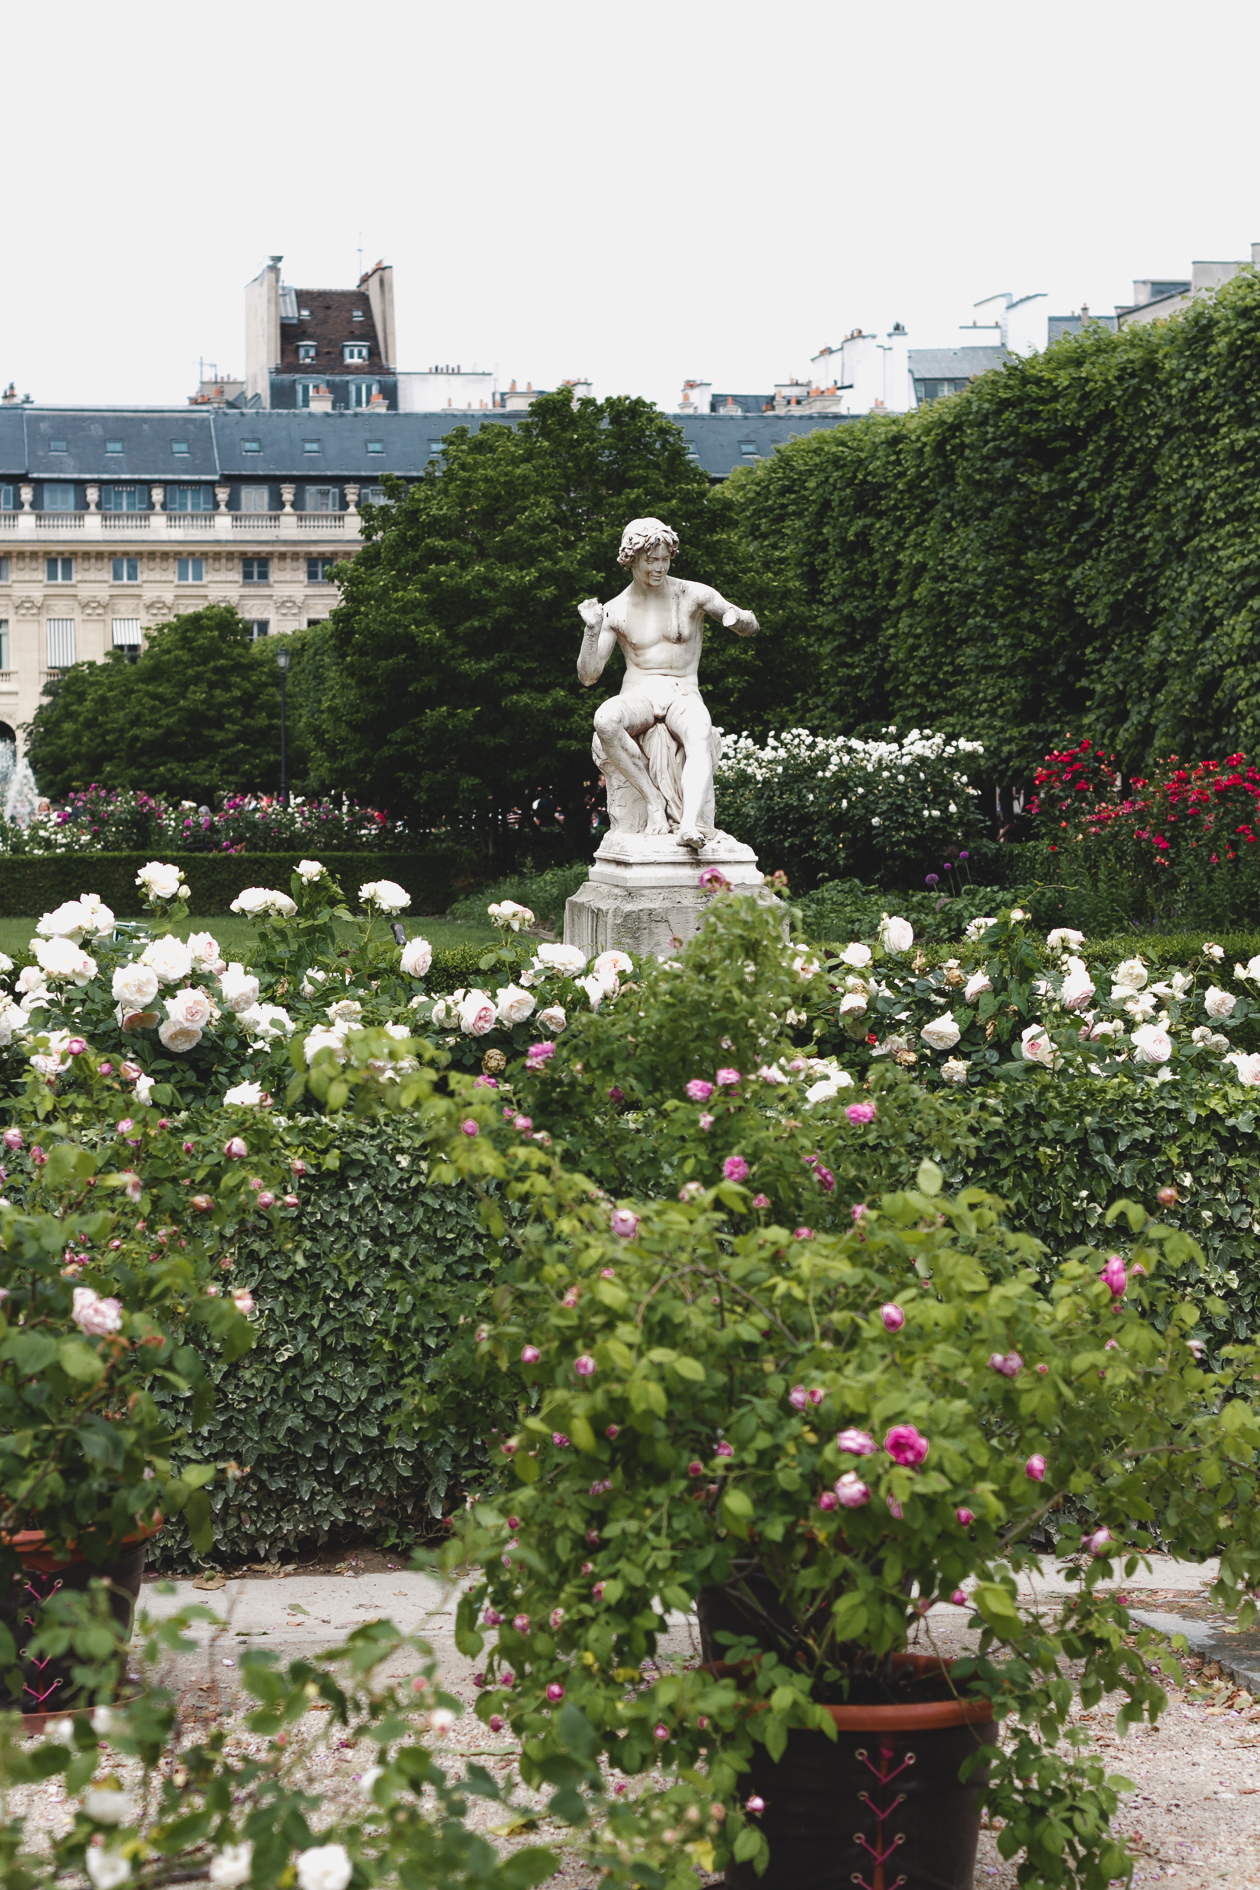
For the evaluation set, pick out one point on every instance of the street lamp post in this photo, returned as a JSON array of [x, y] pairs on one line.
[[283, 655]]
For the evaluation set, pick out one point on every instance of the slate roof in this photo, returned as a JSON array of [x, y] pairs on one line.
[[216, 442], [954, 364], [329, 324]]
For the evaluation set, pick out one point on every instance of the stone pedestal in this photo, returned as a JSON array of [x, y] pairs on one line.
[[644, 893]]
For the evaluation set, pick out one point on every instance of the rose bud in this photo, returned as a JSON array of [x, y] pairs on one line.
[[893, 1317], [530, 1355]]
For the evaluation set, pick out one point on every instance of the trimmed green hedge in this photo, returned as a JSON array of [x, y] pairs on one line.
[[35, 883], [368, 1291]]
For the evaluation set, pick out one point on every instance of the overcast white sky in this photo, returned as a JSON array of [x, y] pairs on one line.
[[705, 188]]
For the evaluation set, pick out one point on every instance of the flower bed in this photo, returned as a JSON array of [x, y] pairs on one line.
[[113, 820]]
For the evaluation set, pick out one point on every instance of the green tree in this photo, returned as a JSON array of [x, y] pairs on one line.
[[196, 713], [452, 690]]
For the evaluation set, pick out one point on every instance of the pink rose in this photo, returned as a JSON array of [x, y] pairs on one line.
[[959, 1598], [1035, 1467], [906, 1446], [851, 1491], [798, 1398], [735, 1168], [555, 1692], [94, 1316], [521, 1623], [893, 1317], [706, 1122], [856, 1443], [966, 1517], [625, 1223], [723, 1449], [1097, 1543], [828, 1500], [698, 1090], [727, 1079], [756, 1805], [761, 1200], [530, 1355], [13, 1138], [894, 1508], [1113, 1276], [803, 1233], [470, 1127], [859, 1113], [584, 1366]]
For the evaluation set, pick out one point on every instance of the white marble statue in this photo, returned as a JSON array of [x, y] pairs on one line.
[[655, 742]]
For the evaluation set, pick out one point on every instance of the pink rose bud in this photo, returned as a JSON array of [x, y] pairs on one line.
[[266, 1199], [470, 1127], [1043, 1369], [598, 1591], [235, 1149], [698, 1090], [816, 1394], [298, 1168], [514, 1523], [606, 1273], [559, 1439], [959, 1598], [291, 1201], [1196, 1346], [1097, 1543], [592, 1538], [966, 1517], [695, 1468], [76, 1047], [496, 1723], [828, 1500], [1138, 1268], [803, 1233], [660, 1731], [1035, 1467], [492, 1617], [625, 1224], [893, 1317], [1167, 1197], [13, 1138], [479, 1679], [521, 1623], [1112, 1345], [584, 1366], [106, 1069], [761, 1200], [727, 1079], [858, 1210], [894, 1508], [851, 1491], [735, 1168], [798, 1398], [508, 1447], [723, 1449], [1113, 1276], [243, 1302], [523, 1123], [756, 1805], [613, 1430], [906, 1446], [859, 1113], [557, 1616], [856, 1443], [706, 1122], [530, 1355]]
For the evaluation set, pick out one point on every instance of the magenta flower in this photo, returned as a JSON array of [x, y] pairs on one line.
[[1035, 1467], [803, 1233], [893, 1317], [555, 1692], [756, 1804], [723, 1449], [492, 1617], [1113, 1276], [959, 1598], [538, 1054], [735, 1168], [859, 1113], [727, 1079], [816, 1394], [695, 1468], [906, 1446], [523, 1123], [856, 1443], [616, 1095], [761, 1200], [76, 1047], [470, 1127], [825, 1179], [235, 1149], [557, 1616], [521, 1623], [559, 1439], [584, 1366], [851, 1492], [530, 1355], [828, 1500], [660, 1730], [1010, 1364], [858, 1210], [714, 878], [798, 1398], [966, 1517], [598, 1591], [894, 1508], [625, 1223], [614, 1430], [496, 1722], [698, 1090], [1097, 1543], [706, 1122]]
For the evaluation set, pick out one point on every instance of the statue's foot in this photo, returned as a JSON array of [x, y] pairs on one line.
[[657, 821], [691, 837]]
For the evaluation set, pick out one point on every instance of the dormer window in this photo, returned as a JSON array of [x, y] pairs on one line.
[[358, 315], [304, 314], [354, 351], [306, 350]]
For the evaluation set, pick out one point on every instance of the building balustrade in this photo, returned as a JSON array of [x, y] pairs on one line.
[[43, 525]]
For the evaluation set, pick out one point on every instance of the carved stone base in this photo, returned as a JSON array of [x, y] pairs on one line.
[[644, 893]]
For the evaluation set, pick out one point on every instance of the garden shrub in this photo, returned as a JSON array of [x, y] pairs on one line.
[[845, 909], [125, 820], [543, 892]]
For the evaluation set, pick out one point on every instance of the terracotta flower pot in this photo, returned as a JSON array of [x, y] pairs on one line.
[[47, 1685]]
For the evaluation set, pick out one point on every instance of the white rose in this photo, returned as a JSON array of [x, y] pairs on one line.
[[159, 881], [1140, 1004], [859, 956], [103, 1803], [1218, 1003], [232, 1865], [804, 967], [554, 1018], [243, 1096], [477, 1014], [107, 1869], [614, 962], [978, 982], [596, 990], [6, 963], [1111, 1028], [101, 919], [978, 928], [385, 893], [828, 1086], [311, 980], [70, 920], [327, 1867], [269, 1020], [1078, 987], [144, 1090], [417, 956], [203, 948], [941, 1034], [263, 899], [1247, 1066], [515, 1005], [1213, 951], [561, 958], [1063, 938], [954, 1070], [238, 988], [333, 1038], [135, 986], [507, 912], [31, 978], [12, 1017], [345, 1011], [1250, 970], [169, 957], [1130, 976], [853, 1004], [896, 935], [1036, 1046], [1017, 915], [61, 958], [1151, 1044], [178, 1036], [310, 871], [190, 1005]]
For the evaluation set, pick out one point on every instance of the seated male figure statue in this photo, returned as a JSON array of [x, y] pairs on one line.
[[658, 620]]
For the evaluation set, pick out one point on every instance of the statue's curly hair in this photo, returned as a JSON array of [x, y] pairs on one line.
[[641, 533]]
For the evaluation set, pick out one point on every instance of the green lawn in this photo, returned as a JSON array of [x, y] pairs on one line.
[[236, 935]]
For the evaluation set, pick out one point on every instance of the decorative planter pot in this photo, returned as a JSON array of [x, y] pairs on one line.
[[47, 1685]]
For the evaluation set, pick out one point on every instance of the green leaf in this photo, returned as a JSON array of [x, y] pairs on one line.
[[78, 1360], [849, 1616], [581, 1434], [526, 1467], [690, 1368], [929, 1179]]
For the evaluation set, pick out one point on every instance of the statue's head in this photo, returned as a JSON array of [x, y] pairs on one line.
[[648, 547]]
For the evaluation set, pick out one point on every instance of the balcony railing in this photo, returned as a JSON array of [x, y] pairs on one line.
[[320, 521], [255, 521], [41, 525], [125, 521], [189, 521]]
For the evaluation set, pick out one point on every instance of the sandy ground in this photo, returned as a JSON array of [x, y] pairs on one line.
[[1194, 1816]]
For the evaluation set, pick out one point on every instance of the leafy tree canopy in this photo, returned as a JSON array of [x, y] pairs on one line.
[[449, 679], [196, 713]]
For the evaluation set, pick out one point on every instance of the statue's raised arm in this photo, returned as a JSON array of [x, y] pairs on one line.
[[655, 741]]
